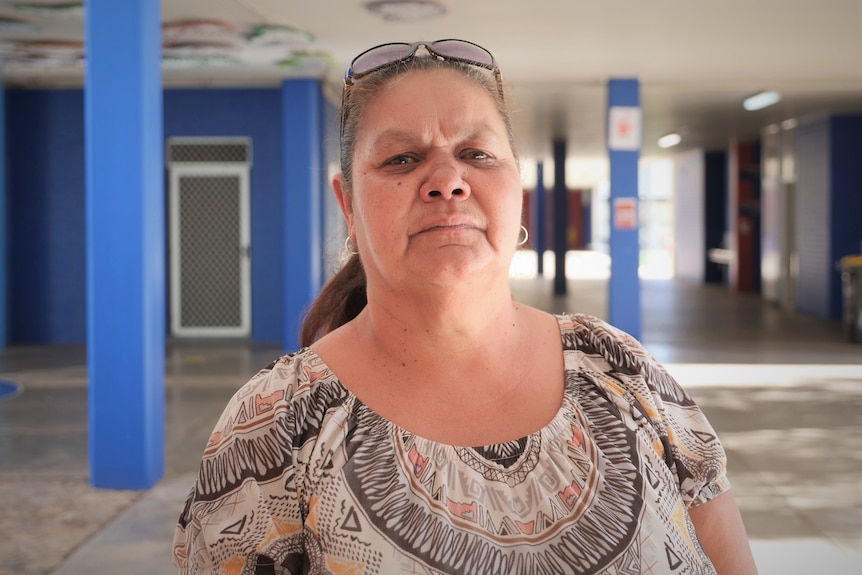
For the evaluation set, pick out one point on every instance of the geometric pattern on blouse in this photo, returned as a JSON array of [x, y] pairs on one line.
[[300, 471]]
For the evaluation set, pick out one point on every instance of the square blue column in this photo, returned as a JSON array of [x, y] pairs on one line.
[[302, 105], [624, 143], [560, 212], [125, 243], [540, 218], [3, 229]]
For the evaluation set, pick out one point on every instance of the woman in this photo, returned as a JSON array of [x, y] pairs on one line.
[[431, 424]]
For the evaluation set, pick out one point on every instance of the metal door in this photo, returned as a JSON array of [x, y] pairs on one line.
[[210, 272]]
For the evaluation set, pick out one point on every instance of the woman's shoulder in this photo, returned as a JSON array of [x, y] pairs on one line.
[[283, 404], [290, 377], [590, 327], [617, 351], [288, 391], [634, 382], [592, 335]]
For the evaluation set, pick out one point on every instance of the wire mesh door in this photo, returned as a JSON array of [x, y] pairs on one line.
[[210, 268]]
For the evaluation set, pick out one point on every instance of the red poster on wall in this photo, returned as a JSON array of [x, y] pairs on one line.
[[625, 213]]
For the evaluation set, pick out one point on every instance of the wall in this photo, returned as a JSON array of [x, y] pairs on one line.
[[715, 170], [771, 211], [778, 251], [846, 200], [689, 217], [745, 217], [828, 207], [46, 189], [4, 226], [812, 207], [45, 179]]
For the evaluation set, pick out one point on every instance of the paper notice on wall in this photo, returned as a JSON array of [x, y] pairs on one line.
[[625, 213], [624, 128]]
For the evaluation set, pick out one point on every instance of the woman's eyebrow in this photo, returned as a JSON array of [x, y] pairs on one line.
[[397, 136], [394, 136]]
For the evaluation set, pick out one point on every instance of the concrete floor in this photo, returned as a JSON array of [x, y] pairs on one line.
[[784, 392]]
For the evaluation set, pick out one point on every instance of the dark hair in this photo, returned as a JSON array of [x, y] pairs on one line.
[[343, 297]]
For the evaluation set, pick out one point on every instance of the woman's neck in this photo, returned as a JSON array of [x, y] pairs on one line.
[[441, 320]]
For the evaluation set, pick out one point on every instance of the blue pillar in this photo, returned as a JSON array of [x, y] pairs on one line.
[[3, 229], [561, 217], [624, 141], [302, 105], [540, 219], [125, 243]]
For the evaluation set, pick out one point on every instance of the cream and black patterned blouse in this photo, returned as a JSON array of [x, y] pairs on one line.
[[300, 471]]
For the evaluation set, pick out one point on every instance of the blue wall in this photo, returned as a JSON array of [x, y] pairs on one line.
[[715, 210], [828, 208], [3, 221], [45, 178], [846, 207]]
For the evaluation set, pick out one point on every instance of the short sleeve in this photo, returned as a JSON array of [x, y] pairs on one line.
[[687, 441], [245, 502]]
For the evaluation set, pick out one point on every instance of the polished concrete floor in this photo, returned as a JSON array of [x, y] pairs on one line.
[[784, 392]]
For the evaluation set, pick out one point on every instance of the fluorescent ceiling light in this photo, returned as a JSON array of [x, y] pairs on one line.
[[761, 100], [669, 140]]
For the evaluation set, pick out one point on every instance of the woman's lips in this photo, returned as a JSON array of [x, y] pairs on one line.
[[449, 224]]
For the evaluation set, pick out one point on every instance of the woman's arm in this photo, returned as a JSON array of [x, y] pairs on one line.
[[722, 534]]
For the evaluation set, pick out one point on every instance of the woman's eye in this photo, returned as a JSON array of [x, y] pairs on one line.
[[476, 155], [401, 160]]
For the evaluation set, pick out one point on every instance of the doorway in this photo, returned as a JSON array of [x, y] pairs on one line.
[[210, 271]]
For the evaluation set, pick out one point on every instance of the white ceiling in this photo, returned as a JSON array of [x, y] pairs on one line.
[[696, 60]]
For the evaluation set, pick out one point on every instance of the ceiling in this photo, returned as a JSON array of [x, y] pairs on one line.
[[696, 60]]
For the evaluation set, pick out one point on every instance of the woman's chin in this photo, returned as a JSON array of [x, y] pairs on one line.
[[453, 265]]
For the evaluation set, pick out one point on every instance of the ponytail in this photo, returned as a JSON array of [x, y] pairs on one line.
[[340, 300]]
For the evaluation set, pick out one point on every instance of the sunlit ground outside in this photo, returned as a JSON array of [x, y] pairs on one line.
[[589, 264], [792, 435]]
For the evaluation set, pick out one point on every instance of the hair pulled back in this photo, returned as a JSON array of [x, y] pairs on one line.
[[344, 296]]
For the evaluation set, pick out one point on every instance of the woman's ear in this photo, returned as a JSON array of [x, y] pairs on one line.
[[345, 200]]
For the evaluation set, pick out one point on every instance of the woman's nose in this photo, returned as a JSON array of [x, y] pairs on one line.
[[445, 181]]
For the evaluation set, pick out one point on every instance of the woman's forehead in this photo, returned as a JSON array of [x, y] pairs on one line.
[[426, 94], [419, 79]]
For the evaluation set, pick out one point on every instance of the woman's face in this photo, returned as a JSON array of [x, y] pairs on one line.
[[436, 187]]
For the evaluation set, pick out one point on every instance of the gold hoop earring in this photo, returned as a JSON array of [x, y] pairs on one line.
[[526, 236], [350, 246]]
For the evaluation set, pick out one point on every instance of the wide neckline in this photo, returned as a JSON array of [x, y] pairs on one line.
[[551, 429]]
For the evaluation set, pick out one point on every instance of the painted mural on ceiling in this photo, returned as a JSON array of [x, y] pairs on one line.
[[198, 43]]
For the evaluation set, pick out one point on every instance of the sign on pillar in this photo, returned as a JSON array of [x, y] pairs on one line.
[[624, 143], [625, 128]]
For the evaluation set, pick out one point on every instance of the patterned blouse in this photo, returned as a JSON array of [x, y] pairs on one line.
[[300, 471]]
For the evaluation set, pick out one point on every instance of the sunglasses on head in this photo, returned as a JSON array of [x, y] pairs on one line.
[[386, 55]]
